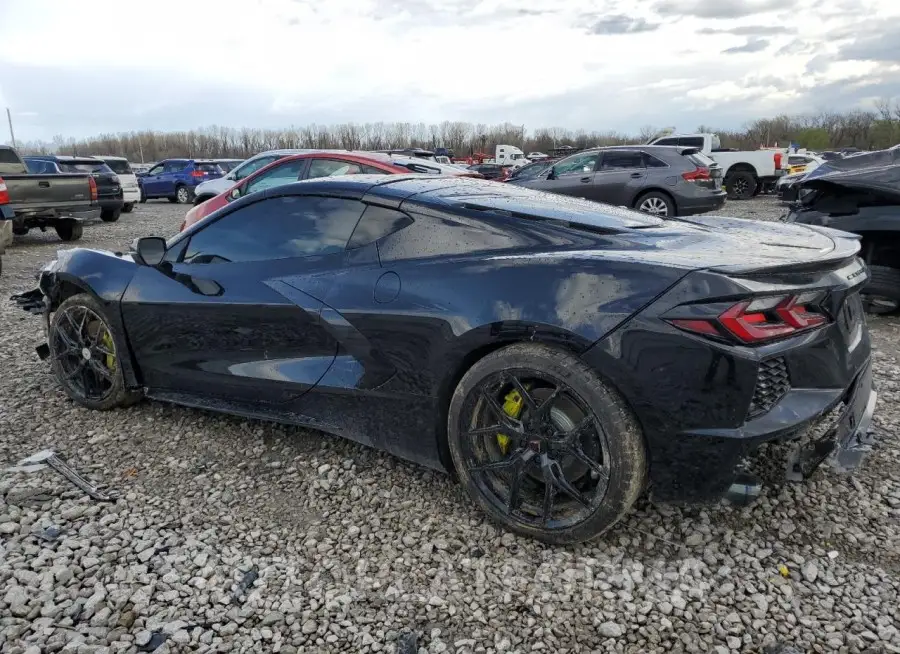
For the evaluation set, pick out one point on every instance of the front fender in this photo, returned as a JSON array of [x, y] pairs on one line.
[[105, 276]]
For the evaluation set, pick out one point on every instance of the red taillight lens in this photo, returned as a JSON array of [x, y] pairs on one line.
[[198, 173], [760, 320], [4, 192], [777, 157], [93, 184], [701, 174]]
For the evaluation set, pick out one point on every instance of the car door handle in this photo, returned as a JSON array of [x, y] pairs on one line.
[[44, 184], [586, 179], [636, 175]]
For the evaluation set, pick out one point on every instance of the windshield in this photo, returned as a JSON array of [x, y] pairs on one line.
[[84, 167], [119, 166]]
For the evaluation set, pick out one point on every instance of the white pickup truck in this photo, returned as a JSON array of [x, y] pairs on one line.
[[747, 172]]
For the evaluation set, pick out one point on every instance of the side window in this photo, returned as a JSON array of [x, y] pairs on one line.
[[376, 223], [797, 161], [277, 228], [691, 142], [331, 168], [622, 159], [577, 164], [175, 166], [281, 174], [673, 141], [252, 166], [370, 170], [158, 169], [652, 162]]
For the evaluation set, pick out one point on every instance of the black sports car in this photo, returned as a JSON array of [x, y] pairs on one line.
[[559, 355]]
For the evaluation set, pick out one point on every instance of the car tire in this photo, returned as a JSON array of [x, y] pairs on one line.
[[741, 185], [69, 230], [182, 195], [143, 197], [78, 326], [128, 207], [200, 199], [881, 295], [110, 215], [20, 231], [656, 204], [605, 449]]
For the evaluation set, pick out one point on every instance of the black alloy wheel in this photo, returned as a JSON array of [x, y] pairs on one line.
[[531, 446]]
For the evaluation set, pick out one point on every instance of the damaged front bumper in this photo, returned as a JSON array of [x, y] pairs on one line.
[[37, 302]]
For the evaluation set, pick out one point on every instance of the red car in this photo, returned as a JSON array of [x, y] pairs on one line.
[[294, 168]]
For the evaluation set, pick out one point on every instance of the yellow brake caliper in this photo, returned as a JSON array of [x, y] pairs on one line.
[[512, 406], [108, 344]]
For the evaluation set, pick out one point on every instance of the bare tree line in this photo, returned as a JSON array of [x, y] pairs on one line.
[[874, 129]]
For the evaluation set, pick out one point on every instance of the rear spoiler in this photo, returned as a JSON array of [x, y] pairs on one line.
[[846, 249]]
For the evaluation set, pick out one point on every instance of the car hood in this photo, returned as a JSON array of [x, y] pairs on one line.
[[214, 186], [875, 172]]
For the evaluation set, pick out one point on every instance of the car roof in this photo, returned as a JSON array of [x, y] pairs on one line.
[[467, 194], [109, 156]]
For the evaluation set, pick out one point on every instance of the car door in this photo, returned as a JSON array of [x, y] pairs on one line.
[[620, 177], [232, 313], [573, 175], [151, 181], [171, 174]]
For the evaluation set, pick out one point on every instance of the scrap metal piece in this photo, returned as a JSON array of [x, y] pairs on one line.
[[246, 582], [408, 643], [48, 458], [49, 534]]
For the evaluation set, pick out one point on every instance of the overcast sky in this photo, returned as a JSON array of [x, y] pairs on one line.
[[78, 69]]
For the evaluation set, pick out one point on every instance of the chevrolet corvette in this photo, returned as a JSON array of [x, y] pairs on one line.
[[560, 357]]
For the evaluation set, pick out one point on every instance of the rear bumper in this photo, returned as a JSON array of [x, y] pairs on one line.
[[711, 201], [131, 195], [705, 463], [50, 218]]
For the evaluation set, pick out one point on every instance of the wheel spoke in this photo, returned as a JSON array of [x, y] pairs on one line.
[[549, 496], [512, 503], [577, 452], [507, 422], [99, 369], [76, 370], [554, 476], [498, 466], [543, 411], [524, 394], [99, 349]]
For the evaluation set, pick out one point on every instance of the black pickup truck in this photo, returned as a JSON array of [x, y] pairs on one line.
[[29, 201], [109, 187]]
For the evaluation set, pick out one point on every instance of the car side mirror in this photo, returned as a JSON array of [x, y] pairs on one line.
[[235, 193], [150, 250]]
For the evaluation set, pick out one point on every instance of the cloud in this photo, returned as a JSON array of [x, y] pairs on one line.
[[721, 8], [752, 45], [621, 24], [882, 45], [749, 30]]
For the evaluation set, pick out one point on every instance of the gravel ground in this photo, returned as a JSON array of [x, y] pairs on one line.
[[355, 551]]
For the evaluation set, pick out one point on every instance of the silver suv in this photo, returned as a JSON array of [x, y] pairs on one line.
[[213, 187]]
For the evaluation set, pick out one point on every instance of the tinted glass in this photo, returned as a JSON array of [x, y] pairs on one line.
[[666, 142], [8, 156], [622, 159], [692, 142], [119, 166], [652, 162], [175, 166], [331, 168], [531, 170], [157, 170], [277, 228], [247, 169], [281, 174], [84, 167], [208, 168], [577, 163], [795, 160], [376, 223], [701, 160], [371, 170]]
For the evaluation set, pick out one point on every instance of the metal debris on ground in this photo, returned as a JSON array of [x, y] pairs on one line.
[[246, 582], [49, 458], [408, 643], [49, 534], [145, 644]]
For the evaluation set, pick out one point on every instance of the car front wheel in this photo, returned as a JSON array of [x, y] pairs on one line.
[[544, 446], [84, 357]]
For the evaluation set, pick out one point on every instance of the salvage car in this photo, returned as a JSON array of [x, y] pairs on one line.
[[560, 356], [662, 180], [860, 194]]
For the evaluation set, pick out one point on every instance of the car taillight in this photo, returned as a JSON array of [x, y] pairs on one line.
[[4, 192], [761, 319], [198, 173], [93, 186], [700, 174], [777, 157]]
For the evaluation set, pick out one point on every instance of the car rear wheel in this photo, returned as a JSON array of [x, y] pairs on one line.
[[658, 204], [143, 196], [182, 195], [741, 186], [110, 215], [69, 230], [84, 357], [128, 207], [881, 296], [544, 446]]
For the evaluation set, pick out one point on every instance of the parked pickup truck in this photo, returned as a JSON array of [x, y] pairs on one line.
[[109, 187], [28, 201], [747, 172]]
